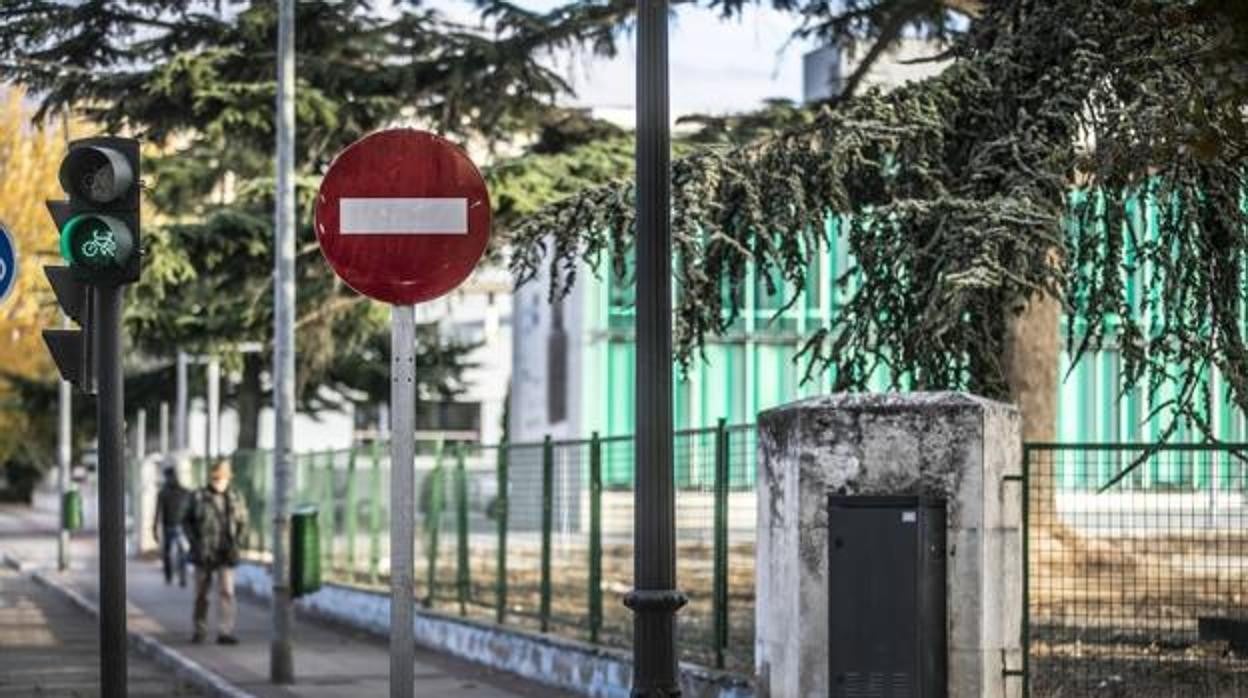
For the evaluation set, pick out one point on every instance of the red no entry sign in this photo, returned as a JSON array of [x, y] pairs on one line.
[[403, 216]]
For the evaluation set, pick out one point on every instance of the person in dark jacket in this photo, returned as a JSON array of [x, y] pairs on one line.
[[167, 526], [216, 523]]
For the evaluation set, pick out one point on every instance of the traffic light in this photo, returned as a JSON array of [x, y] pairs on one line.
[[73, 350], [99, 223], [99, 233]]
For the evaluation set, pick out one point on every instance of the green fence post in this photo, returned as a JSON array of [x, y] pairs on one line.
[[500, 581], [1025, 640], [352, 514], [548, 472], [463, 579], [595, 537], [720, 584], [327, 512], [374, 518], [433, 520]]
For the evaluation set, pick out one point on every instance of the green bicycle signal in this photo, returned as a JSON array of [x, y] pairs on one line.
[[96, 241]]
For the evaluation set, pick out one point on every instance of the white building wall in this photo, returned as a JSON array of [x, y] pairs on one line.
[[327, 430], [480, 311], [531, 336], [824, 70]]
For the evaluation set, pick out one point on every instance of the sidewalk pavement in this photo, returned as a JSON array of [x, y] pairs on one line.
[[48, 648], [329, 661]]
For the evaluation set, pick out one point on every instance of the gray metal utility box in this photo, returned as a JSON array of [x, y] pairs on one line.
[[886, 579]]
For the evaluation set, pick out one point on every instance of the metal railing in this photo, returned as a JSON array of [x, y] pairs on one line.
[[540, 535], [1136, 555]]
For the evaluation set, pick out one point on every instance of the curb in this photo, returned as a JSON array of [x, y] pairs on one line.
[[561, 663], [16, 564], [183, 667]]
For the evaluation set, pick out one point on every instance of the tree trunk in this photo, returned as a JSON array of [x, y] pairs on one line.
[[1033, 370], [1031, 362], [249, 397]]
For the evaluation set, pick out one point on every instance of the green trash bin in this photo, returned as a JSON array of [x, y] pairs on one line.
[[71, 510], [305, 551]]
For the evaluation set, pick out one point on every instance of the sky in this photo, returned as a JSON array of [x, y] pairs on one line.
[[717, 66]]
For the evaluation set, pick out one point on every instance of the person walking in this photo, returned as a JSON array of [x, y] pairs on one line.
[[167, 526], [216, 522]]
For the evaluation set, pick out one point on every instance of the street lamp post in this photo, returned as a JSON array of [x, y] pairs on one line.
[[655, 599]]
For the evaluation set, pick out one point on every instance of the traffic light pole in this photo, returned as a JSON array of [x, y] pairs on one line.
[[112, 494], [655, 599]]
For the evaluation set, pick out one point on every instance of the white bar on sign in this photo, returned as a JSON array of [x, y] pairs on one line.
[[409, 216]]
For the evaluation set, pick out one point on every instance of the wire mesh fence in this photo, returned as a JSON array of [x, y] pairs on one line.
[[1137, 574], [537, 535]]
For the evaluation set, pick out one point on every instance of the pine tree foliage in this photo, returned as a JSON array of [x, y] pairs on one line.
[[197, 81], [161, 67], [953, 197]]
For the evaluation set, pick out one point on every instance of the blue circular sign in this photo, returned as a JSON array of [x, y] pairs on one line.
[[8, 263]]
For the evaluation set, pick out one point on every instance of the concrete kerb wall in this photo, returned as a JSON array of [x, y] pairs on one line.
[[185, 668], [566, 664]]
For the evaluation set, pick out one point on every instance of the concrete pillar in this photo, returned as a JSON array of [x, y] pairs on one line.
[[212, 445], [954, 446], [164, 429]]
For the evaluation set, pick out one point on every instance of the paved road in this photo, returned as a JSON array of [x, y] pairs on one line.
[[330, 662], [48, 648]]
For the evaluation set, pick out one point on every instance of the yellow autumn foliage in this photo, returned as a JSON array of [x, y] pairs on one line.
[[29, 157]]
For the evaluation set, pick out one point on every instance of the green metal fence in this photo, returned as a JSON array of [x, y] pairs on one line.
[[539, 535], [1137, 570]]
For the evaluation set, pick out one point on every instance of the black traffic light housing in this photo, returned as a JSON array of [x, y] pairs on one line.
[[99, 223], [73, 350], [98, 227]]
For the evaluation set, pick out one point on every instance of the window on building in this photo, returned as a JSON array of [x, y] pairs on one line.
[[448, 416]]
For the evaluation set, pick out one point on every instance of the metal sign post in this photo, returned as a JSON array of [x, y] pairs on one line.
[[402, 497], [403, 217]]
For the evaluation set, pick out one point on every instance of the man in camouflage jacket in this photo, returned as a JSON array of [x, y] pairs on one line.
[[215, 524]]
